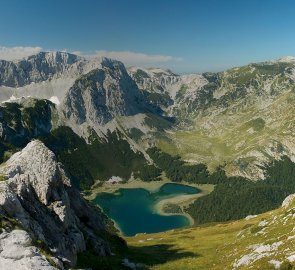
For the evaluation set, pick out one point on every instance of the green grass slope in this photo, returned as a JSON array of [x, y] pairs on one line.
[[263, 242]]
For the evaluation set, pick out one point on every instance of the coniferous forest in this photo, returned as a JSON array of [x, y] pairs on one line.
[[233, 197]]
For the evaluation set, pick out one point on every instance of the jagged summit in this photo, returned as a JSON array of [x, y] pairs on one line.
[[102, 94], [47, 75], [53, 57], [35, 68], [47, 66], [36, 193], [109, 62]]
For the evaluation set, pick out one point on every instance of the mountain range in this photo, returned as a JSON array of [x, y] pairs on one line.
[[67, 123], [209, 118]]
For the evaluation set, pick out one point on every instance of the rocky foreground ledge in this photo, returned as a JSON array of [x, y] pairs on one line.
[[44, 222]]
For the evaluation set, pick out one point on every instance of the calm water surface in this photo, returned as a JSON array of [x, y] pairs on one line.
[[133, 209]]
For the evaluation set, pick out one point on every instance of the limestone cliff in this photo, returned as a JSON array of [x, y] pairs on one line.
[[39, 207]]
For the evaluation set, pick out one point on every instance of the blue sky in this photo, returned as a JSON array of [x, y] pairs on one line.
[[184, 35]]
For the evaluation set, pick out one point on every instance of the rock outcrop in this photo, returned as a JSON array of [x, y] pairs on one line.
[[168, 90], [286, 203], [102, 94], [18, 252], [36, 194]]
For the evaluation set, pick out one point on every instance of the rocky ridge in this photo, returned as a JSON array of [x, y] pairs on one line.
[[47, 75], [36, 195], [217, 114], [35, 68], [18, 252], [102, 94], [166, 89], [240, 118]]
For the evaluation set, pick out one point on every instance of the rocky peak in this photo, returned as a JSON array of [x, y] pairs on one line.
[[39, 164], [35, 68], [111, 63], [37, 194], [154, 79], [102, 94], [53, 58]]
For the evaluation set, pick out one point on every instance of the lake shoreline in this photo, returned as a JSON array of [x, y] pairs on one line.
[[182, 200], [152, 186]]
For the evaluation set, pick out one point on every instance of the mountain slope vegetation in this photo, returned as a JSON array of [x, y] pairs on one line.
[[242, 118], [265, 241], [233, 129]]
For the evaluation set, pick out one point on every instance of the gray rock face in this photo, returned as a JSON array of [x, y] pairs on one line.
[[91, 91], [36, 68], [168, 90], [37, 194], [18, 252], [102, 94], [154, 79]]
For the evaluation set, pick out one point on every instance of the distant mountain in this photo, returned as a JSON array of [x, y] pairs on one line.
[[164, 88], [102, 94], [78, 122], [44, 75], [240, 118], [35, 68]]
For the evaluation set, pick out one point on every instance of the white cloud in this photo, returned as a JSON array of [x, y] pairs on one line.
[[76, 53], [14, 53], [128, 57]]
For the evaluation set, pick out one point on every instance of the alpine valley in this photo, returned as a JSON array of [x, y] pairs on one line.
[[73, 129]]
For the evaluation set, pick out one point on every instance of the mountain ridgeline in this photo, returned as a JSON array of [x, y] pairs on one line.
[[236, 119], [94, 119], [34, 69]]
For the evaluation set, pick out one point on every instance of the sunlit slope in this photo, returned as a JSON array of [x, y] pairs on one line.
[[263, 242], [248, 119]]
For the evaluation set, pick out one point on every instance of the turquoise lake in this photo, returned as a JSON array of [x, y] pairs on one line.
[[133, 209]]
